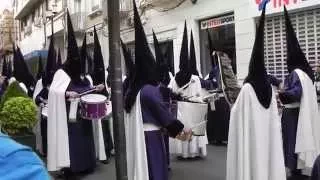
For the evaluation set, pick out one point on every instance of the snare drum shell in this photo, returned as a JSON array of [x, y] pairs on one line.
[[191, 115], [93, 110]]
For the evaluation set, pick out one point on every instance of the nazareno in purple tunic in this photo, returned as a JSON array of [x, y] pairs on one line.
[[315, 175], [81, 141], [154, 111], [289, 120]]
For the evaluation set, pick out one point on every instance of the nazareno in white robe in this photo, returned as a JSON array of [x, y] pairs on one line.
[[58, 156], [137, 161], [198, 145], [255, 141], [308, 132]]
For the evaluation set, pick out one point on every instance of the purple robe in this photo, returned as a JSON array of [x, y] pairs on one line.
[[155, 112], [81, 140], [289, 120], [208, 84], [166, 95], [316, 170]]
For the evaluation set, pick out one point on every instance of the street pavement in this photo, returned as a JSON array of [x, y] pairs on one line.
[[213, 167]]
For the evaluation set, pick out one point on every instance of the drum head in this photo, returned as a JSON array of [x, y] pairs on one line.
[[93, 98], [44, 111]]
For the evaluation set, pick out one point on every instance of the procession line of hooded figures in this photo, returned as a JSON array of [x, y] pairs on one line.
[[261, 145], [70, 143]]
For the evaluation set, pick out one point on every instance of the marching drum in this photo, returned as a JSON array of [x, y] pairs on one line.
[[194, 116], [93, 106]]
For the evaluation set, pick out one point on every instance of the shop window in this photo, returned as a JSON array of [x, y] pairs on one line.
[[222, 32]]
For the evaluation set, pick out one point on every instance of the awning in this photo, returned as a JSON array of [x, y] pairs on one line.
[[36, 54]]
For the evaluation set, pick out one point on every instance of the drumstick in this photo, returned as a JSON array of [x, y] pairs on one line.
[[187, 97], [215, 91], [87, 92], [209, 96], [43, 100]]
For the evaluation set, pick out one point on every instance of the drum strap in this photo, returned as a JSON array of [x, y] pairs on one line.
[[150, 127]]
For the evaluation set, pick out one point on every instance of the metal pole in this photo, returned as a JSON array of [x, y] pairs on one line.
[[116, 89], [65, 6]]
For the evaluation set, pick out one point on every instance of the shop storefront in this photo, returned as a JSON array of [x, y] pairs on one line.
[[305, 17], [307, 26], [222, 33]]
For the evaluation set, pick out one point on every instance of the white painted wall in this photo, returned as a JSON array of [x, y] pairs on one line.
[[170, 24], [33, 42]]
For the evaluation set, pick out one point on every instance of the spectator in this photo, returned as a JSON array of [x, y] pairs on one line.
[[19, 162]]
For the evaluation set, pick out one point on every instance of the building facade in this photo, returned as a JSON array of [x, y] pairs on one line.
[[231, 24], [7, 32]]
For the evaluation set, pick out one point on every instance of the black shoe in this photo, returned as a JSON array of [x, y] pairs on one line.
[[67, 174], [107, 161], [181, 158]]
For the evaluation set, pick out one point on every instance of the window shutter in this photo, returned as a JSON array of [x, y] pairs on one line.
[[307, 28]]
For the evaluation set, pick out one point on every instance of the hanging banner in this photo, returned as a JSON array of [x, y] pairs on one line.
[[291, 4], [229, 82]]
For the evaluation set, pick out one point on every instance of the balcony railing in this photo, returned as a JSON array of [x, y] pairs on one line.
[[161, 5]]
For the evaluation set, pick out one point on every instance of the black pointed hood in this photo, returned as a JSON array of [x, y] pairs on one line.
[[72, 66], [5, 67], [217, 46], [146, 72], [59, 60], [193, 60], [98, 75], [295, 56], [127, 60], [40, 68], [144, 59], [257, 75], [162, 66], [51, 64], [83, 55], [10, 71], [90, 64], [22, 72], [184, 75]]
